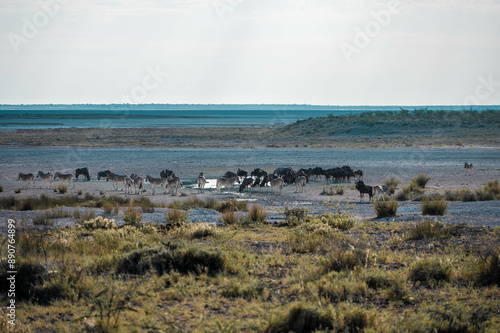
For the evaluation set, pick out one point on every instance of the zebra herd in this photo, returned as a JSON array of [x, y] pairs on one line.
[[257, 178]]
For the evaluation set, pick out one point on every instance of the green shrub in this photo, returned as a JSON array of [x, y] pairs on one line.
[[257, 214], [295, 216], [385, 208], [164, 259], [435, 206], [304, 317], [18, 190], [489, 270], [428, 230], [176, 218], [421, 180], [404, 195], [131, 215], [341, 221], [202, 230], [236, 288], [99, 223], [305, 242], [195, 202], [426, 271], [493, 188], [29, 274], [229, 218], [343, 260], [342, 287], [232, 205], [146, 205], [61, 188], [393, 183]]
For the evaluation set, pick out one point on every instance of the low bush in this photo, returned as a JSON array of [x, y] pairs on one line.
[[492, 187], [385, 208], [163, 259], [176, 218], [428, 230], [295, 216], [343, 260], [99, 223], [232, 205], [427, 271], [341, 287], [229, 218], [257, 214], [29, 274], [421, 180], [435, 206], [489, 270], [237, 288], [61, 188], [146, 205], [393, 183], [131, 215]]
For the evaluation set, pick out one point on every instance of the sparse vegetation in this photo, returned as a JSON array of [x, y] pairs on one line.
[[61, 188], [385, 208], [18, 190], [427, 230], [257, 214], [176, 218], [421, 180], [426, 271], [393, 183], [434, 206], [131, 215]]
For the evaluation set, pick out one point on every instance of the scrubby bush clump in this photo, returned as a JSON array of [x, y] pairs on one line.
[[434, 206], [385, 208], [99, 223], [257, 214], [163, 259], [393, 183], [427, 270], [428, 230], [421, 180]]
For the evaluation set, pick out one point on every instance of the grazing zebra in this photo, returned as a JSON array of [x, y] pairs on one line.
[[172, 183], [127, 184], [382, 190], [138, 182], [300, 182], [362, 188], [65, 177], [156, 182], [202, 181], [45, 177], [276, 182], [226, 182], [469, 167], [26, 178], [115, 179]]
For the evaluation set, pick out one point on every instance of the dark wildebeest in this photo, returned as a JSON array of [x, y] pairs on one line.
[[469, 167], [167, 174], [103, 174], [348, 172], [242, 173], [362, 188], [82, 171], [231, 174], [256, 182], [358, 174], [247, 182]]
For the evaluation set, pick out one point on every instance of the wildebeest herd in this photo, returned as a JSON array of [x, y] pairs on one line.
[[258, 178]]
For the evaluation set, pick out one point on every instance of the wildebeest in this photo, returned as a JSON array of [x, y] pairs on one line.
[[358, 174], [45, 177], [230, 174], [156, 182], [174, 182], [84, 172], [260, 174], [65, 177], [256, 182], [300, 182], [26, 178], [362, 188], [103, 174], [469, 167], [202, 181], [242, 173], [166, 174], [226, 182], [247, 182]]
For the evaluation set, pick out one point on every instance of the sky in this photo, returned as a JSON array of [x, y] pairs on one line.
[[323, 52]]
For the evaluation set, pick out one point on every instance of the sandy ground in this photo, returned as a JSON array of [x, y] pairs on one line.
[[444, 177]]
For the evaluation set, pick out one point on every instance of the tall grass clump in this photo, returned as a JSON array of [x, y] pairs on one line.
[[434, 206], [428, 230], [131, 215], [99, 223], [229, 218], [305, 317], [385, 208], [489, 270], [343, 260], [61, 188], [193, 203], [176, 218], [232, 205], [146, 205], [393, 183], [421, 180], [257, 214], [427, 271]]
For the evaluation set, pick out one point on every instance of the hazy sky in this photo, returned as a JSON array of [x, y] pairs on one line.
[[337, 52]]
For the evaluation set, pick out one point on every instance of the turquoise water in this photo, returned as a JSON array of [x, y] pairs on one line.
[[83, 116]]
